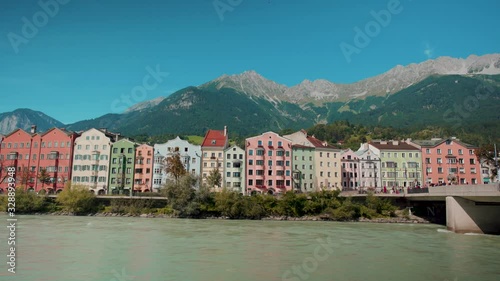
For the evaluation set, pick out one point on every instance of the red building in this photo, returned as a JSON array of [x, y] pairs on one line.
[[449, 161], [56, 157], [31, 153], [15, 151]]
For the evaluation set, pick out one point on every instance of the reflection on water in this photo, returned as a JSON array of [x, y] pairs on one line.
[[93, 248]]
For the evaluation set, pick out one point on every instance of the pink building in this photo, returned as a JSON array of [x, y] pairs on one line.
[[449, 161], [350, 171], [268, 168], [143, 178]]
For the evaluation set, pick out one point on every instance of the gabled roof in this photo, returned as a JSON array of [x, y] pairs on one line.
[[437, 141], [318, 143], [63, 130], [393, 145], [16, 130], [215, 138]]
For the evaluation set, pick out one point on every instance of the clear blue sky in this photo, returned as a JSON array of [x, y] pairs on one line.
[[91, 52]]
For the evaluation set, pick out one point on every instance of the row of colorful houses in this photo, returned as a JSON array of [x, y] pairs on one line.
[[108, 163]]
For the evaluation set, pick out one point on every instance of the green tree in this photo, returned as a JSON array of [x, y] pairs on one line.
[[214, 178], [27, 202], [76, 199], [229, 204], [44, 177], [181, 194], [175, 167]]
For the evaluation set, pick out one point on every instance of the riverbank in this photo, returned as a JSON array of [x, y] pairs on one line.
[[398, 219]]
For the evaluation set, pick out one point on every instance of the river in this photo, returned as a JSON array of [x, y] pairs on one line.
[[124, 249]]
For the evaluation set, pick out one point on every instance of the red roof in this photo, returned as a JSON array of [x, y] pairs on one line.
[[214, 138], [319, 143], [390, 145]]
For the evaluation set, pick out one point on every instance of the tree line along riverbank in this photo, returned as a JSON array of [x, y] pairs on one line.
[[184, 201]]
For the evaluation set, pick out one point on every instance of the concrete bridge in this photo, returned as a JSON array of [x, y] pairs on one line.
[[469, 208]]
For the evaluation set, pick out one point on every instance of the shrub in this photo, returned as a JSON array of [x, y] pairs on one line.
[[28, 202], [77, 200]]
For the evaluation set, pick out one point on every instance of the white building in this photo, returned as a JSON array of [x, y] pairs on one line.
[[234, 169], [190, 155], [370, 170], [91, 159]]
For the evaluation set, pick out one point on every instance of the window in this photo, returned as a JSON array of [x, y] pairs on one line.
[[438, 151], [440, 170], [472, 161], [439, 161], [460, 152], [270, 153], [280, 144], [250, 152], [270, 143], [450, 151]]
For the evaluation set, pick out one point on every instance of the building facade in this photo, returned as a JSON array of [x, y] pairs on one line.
[[303, 175], [17, 150], [234, 169], [370, 169], [326, 160], [92, 158], [400, 163], [56, 157], [190, 156], [212, 149], [143, 170], [122, 167], [269, 169], [449, 161], [351, 176]]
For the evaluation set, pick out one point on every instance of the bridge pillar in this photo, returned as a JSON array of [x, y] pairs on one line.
[[466, 216]]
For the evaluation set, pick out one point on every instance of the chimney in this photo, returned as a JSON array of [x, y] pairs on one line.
[[395, 142], [225, 130], [33, 129]]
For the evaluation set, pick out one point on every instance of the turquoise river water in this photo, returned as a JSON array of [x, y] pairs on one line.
[[126, 249]]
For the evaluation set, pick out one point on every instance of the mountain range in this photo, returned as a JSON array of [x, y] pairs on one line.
[[459, 93]]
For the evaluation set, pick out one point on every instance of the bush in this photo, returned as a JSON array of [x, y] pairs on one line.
[[27, 202], [77, 200]]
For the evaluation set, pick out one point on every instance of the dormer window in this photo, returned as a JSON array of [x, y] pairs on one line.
[[213, 141]]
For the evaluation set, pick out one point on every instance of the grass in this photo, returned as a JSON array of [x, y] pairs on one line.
[[196, 140]]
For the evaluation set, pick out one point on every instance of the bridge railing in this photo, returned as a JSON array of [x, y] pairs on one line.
[[418, 190]]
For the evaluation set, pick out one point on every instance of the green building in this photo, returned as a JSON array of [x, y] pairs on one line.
[[121, 167], [400, 163], [303, 168]]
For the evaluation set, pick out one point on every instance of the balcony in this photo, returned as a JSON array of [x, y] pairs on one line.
[[281, 187]]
